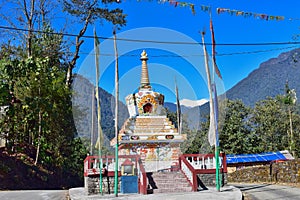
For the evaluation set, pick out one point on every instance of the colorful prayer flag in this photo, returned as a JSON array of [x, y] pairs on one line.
[[214, 50]]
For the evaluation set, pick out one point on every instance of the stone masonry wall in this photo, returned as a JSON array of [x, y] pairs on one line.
[[284, 172], [210, 179], [107, 185]]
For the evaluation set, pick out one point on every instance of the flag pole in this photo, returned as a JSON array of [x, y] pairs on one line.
[[217, 148], [213, 122], [216, 69], [178, 108], [116, 114], [92, 131], [99, 142]]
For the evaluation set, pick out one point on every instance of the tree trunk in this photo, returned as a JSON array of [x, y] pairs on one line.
[[292, 150], [39, 138], [40, 129], [29, 17], [79, 42]]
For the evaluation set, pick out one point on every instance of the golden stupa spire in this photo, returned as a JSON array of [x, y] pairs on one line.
[[145, 83]]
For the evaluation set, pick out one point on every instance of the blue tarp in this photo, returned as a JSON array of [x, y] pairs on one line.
[[247, 158]]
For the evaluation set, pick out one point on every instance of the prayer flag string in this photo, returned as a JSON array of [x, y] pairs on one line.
[[232, 12], [249, 14]]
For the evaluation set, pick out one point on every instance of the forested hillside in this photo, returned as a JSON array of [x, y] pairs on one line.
[[82, 101], [261, 113], [269, 79], [41, 148]]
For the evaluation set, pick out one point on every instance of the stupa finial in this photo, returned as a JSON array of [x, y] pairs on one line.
[[144, 55], [145, 83]]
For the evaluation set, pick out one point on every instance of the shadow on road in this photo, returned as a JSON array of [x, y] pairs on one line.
[[250, 187]]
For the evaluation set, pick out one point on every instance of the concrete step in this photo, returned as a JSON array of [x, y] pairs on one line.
[[167, 182]]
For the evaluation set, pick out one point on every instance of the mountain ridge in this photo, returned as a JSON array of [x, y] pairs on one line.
[[82, 109], [269, 79]]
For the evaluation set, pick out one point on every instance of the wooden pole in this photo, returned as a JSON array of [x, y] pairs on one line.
[[216, 109], [99, 142], [213, 114], [178, 109], [92, 128], [116, 115]]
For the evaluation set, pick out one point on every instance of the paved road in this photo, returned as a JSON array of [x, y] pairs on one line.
[[34, 195], [269, 192], [227, 193]]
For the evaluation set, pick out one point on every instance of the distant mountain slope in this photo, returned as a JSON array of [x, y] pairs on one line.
[[266, 81], [269, 79], [170, 106], [82, 109], [192, 115]]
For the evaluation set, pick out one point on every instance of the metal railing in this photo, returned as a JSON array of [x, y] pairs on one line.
[[193, 164]]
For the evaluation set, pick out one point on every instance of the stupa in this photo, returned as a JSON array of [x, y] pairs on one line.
[[148, 132]]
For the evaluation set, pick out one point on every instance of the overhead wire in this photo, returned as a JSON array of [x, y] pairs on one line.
[[154, 41], [195, 55], [295, 45]]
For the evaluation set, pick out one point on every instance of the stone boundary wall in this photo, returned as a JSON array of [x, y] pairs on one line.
[[283, 172], [210, 179], [108, 184]]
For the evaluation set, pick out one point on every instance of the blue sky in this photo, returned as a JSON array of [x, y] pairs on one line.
[[179, 24]]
